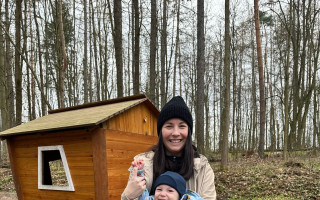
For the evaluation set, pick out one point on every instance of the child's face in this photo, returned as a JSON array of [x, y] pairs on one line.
[[165, 192]]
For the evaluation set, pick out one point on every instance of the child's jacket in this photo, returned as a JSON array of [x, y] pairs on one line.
[[146, 196]]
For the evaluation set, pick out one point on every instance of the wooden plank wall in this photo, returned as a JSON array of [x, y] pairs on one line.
[[78, 149], [139, 119], [121, 148]]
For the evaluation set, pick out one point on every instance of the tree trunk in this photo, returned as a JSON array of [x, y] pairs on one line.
[[95, 51], [85, 54], [234, 90], [136, 79], [43, 101], [286, 139], [163, 53], [200, 77], [132, 46], [118, 44], [33, 85], [63, 68], [3, 93], [18, 65], [90, 80], [272, 109], [153, 50], [254, 98], [9, 122], [261, 80], [207, 113], [286, 104], [100, 54], [127, 72], [176, 55], [74, 62], [225, 104], [25, 51], [105, 56]]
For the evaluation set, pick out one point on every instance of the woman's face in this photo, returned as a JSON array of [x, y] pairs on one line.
[[174, 135], [165, 192]]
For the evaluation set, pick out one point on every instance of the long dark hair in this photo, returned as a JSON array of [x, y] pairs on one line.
[[160, 162]]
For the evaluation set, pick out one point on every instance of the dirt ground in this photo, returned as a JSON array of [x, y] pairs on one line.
[[8, 196], [7, 191]]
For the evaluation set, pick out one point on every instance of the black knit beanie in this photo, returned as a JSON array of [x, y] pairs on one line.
[[173, 180], [175, 108]]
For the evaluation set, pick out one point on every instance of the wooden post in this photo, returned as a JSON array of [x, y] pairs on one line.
[[99, 151], [16, 178]]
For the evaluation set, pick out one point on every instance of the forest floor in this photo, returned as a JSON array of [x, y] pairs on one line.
[[7, 189], [245, 178], [271, 178]]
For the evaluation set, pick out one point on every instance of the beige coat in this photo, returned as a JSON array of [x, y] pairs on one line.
[[201, 182]]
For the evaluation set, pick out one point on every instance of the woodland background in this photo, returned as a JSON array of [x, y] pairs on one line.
[[58, 53]]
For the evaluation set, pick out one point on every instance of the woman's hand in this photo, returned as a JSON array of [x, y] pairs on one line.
[[136, 185]]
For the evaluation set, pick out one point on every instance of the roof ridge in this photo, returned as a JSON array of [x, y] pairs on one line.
[[99, 103]]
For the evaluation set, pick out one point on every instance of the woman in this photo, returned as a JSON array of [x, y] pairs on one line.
[[173, 152]]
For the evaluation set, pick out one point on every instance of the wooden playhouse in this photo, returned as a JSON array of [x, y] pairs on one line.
[[94, 145]]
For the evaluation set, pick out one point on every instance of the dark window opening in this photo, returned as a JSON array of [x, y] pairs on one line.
[[53, 170]]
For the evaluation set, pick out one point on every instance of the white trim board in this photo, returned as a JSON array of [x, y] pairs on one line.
[[41, 186]]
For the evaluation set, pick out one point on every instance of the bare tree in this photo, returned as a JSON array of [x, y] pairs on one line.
[[90, 77], [3, 93], [200, 77], [225, 104], [106, 90], [163, 53], [3, 111], [95, 52], [25, 52], [136, 78], [261, 80], [10, 121], [177, 49], [153, 49], [117, 37], [18, 65], [43, 103], [253, 114], [132, 47], [33, 85], [85, 54], [62, 68]]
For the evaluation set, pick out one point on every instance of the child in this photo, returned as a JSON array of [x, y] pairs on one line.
[[169, 184]]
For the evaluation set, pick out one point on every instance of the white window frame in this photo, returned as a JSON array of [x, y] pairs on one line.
[[65, 166]]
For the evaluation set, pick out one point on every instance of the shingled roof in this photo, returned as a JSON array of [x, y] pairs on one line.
[[86, 115]]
